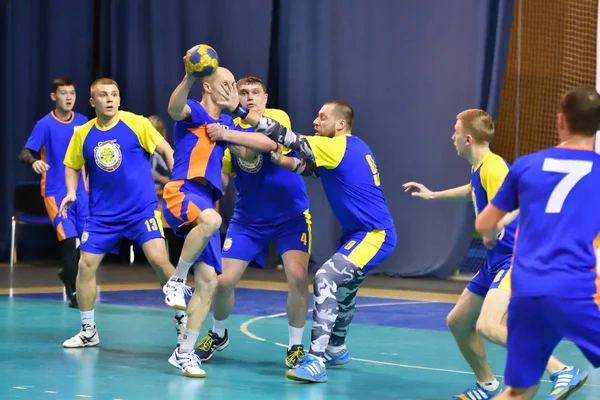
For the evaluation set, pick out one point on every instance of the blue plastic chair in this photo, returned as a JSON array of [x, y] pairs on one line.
[[28, 209]]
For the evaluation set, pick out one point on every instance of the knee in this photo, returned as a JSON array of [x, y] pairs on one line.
[[207, 284], [226, 283], [210, 221], [297, 277], [86, 268], [455, 321]]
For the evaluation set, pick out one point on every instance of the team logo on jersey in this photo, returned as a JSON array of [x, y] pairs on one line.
[[108, 155], [84, 237], [251, 166], [227, 244]]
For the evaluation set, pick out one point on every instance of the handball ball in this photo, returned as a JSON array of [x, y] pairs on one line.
[[201, 60]]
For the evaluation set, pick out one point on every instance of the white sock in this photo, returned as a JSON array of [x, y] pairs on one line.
[[335, 349], [87, 318], [295, 335], [183, 267], [187, 340], [219, 327], [493, 385], [179, 313]]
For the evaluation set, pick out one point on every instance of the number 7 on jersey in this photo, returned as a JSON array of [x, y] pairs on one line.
[[575, 170]]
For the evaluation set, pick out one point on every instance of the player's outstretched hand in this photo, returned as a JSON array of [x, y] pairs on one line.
[[215, 132], [418, 190], [66, 203], [40, 167], [227, 95], [277, 155]]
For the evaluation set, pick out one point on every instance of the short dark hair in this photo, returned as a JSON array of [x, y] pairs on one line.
[[61, 82], [343, 111], [252, 80], [581, 108]]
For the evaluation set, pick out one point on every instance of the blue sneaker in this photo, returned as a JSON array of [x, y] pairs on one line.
[[566, 383], [333, 358], [478, 392], [311, 369]]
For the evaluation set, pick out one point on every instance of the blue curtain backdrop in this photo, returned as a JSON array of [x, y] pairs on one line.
[[407, 67]]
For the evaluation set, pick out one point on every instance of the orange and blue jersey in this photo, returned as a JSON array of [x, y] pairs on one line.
[[557, 191], [196, 156], [266, 193], [50, 138], [486, 178], [118, 161]]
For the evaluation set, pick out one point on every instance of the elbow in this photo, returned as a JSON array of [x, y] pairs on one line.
[[272, 146], [483, 225]]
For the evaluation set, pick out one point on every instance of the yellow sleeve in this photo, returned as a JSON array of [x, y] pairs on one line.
[[148, 136], [74, 155], [327, 152], [227, 163], [492, 174]]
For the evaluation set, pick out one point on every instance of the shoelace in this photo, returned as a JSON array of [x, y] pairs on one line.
[[175, 288], [206, 343], [296, 355], [191, 360]]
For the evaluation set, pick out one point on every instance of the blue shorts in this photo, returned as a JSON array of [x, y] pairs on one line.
[[183, 201], [535, 327], [100, 237], [489, 277], [72, 226], [251, 242], [368, 249]]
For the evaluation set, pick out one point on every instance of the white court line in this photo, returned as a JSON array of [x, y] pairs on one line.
[[244, 329]]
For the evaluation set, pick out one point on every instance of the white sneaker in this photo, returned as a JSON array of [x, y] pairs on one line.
[[87, 337], [180, 322], [189, 363], [175, 291]]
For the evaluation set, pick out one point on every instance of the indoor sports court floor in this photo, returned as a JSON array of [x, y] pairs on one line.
[[401, 346]]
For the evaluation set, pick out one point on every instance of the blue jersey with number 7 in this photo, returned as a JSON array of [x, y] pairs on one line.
[[558, 193]]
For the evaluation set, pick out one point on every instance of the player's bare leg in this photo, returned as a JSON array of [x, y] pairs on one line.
[[295, 263], [199, 305], [204, 227], [461, 322], [86, 297], [156, 253], [223, 301]]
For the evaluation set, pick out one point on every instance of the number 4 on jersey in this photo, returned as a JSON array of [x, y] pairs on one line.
[[574, 170]]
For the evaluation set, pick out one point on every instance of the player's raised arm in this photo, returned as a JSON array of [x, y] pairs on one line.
[[178, 109], [460, 193]]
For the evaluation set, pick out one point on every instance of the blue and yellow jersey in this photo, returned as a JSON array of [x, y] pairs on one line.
[[118, 162], [558, 192], [196, 156], [50, 137], [351, 182], [486, 178], [266, 192]]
